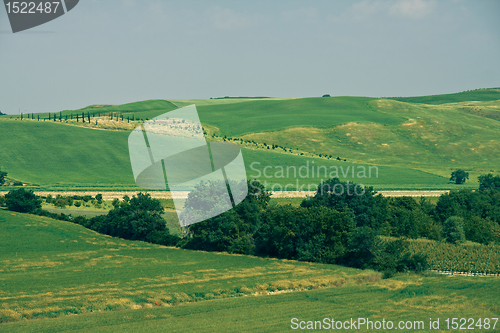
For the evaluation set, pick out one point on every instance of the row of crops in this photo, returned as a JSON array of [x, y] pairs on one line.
[[465, 257]]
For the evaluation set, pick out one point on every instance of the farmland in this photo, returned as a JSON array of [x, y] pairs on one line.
[[90, 282], [464, 257], [415, 142], [58, 157]]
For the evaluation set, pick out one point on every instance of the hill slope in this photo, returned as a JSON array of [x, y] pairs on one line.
[[410, 137], [51, 268], [492, 94]]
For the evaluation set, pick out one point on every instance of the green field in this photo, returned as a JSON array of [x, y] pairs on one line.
[[269, 116], [415, 142], [57, 276], [471, 95], [59, 157]]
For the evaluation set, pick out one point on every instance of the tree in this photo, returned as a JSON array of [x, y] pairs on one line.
[[453, 230], [489, 182], [3, 174], [363, 247], [232, 231], [459, 176], [343, 197], [98, 197], [22, 201]]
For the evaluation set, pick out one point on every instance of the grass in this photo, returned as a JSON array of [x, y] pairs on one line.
[[465, 96], [78, 280], [51, 268], [271, 115], [59, 157], [435, 139], [400, 299], [415, 145], [283, 170], [65, 157]]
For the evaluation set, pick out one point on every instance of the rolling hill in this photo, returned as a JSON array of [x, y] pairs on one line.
[[78, 280], [415, 143]]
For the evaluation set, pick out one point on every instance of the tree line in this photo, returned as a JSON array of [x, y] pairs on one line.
[[346, 229]]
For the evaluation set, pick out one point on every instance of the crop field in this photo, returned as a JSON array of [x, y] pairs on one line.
[[78, 280], [465, 257]]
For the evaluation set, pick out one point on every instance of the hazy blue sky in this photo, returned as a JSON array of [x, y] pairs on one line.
[[114, 52]]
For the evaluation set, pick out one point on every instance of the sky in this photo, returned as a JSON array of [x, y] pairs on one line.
[[121, 51]]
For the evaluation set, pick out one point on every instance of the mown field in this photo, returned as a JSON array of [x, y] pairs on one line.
[[57, 276]]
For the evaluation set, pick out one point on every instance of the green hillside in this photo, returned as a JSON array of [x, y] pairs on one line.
[[55, 156], [414, 145], [268, 115], [78, 280], [483, 95], [51, 268], [435, 139], [50, 154]]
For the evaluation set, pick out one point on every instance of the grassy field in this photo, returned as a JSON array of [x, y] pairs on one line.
[[77, 280], [52, 268], [435, 139], [465, 96], [415, 143], [270, 116], [59, 157], [65, 156], [401, 299]]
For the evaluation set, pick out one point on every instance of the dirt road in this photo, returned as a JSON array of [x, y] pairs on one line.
[[287, 194]]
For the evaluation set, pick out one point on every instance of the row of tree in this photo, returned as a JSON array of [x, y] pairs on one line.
[[328, 228], [346, 229], [78, 116]]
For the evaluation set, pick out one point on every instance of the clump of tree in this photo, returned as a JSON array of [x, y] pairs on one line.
[[328, 228], [22, 201], [459, 176], [480, 211], [366, 249], [138, 218], [318, 234]]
